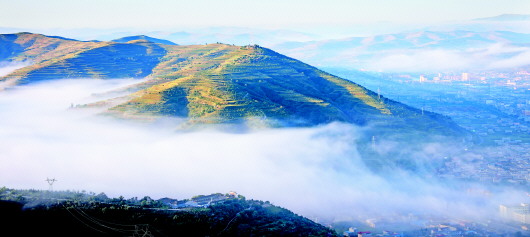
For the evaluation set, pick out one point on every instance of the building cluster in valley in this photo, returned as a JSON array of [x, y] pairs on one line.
[[507, 164], [517, 213], [434, 227], [517, 78]]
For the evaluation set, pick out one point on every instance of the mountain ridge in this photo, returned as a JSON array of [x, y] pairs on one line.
[[380, 52], [217, 83], [506, 17], [143, 37]]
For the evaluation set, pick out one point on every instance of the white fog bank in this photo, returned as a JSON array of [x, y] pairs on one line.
[[312, 171]]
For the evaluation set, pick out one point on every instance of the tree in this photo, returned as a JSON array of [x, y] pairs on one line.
[[102, 197]]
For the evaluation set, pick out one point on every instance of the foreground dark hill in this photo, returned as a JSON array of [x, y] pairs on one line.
[[44, 213], [215, 83]]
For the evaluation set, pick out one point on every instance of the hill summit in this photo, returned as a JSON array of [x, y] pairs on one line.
[[143, 37], [214, 83]]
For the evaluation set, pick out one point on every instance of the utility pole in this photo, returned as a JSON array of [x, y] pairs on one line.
[[50, 182]]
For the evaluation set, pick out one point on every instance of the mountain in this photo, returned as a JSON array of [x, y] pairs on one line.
[[143, 37], [215, 83], [55, 57], [506, 17], [65, 213], [232, 35], [413, 51]]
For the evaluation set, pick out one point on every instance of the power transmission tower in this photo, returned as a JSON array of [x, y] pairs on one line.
[[50, 182]]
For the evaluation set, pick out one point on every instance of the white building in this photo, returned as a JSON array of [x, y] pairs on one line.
[[520, 213], [465, 76]]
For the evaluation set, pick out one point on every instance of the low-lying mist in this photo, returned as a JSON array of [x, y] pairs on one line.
[[497, 56], [316, 172], [493, 57], [8, 67]]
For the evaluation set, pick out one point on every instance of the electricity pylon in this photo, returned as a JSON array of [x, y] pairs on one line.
[[50, 182]]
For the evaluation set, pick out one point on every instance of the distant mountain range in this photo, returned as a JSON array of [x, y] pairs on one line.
[[270, 37], [506, 17], [484, 48], [214, 83]]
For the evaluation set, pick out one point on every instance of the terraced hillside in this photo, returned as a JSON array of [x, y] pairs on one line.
[[217, 83], [55, 57]]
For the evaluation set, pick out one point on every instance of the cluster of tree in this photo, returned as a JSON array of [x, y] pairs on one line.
[[98, 215], [32, 197]]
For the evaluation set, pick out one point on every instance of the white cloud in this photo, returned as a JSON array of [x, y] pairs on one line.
[[9, 67], [518, 60], [421, 60], [490, 57], [495, 56], [312, 171]]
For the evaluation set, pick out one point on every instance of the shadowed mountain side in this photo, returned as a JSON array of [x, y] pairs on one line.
[[39, 48], [135, 60], [54, 57]]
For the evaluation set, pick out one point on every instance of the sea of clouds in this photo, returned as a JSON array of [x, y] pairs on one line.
[[317, 171]]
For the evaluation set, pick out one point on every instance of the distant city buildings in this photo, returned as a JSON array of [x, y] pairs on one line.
[[465, 76], [519, 213]]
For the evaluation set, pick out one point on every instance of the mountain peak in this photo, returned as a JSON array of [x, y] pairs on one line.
[[217, 83], [143, 37]]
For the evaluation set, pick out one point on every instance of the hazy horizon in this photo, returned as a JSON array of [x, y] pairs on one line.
[[323, 20]]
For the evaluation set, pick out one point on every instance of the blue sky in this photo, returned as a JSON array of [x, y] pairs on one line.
[[286, 14]]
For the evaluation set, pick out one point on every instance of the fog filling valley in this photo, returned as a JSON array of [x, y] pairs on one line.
[[316, 172]]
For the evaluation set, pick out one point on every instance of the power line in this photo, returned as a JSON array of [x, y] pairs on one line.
[[235, 216], [99, 220], [82, 221], [138, 230], [89, 218], [142, 231]]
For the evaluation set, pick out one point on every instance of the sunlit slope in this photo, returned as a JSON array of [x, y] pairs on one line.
[[214, 83], [39, 48], [55, 57], [220, 83]]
